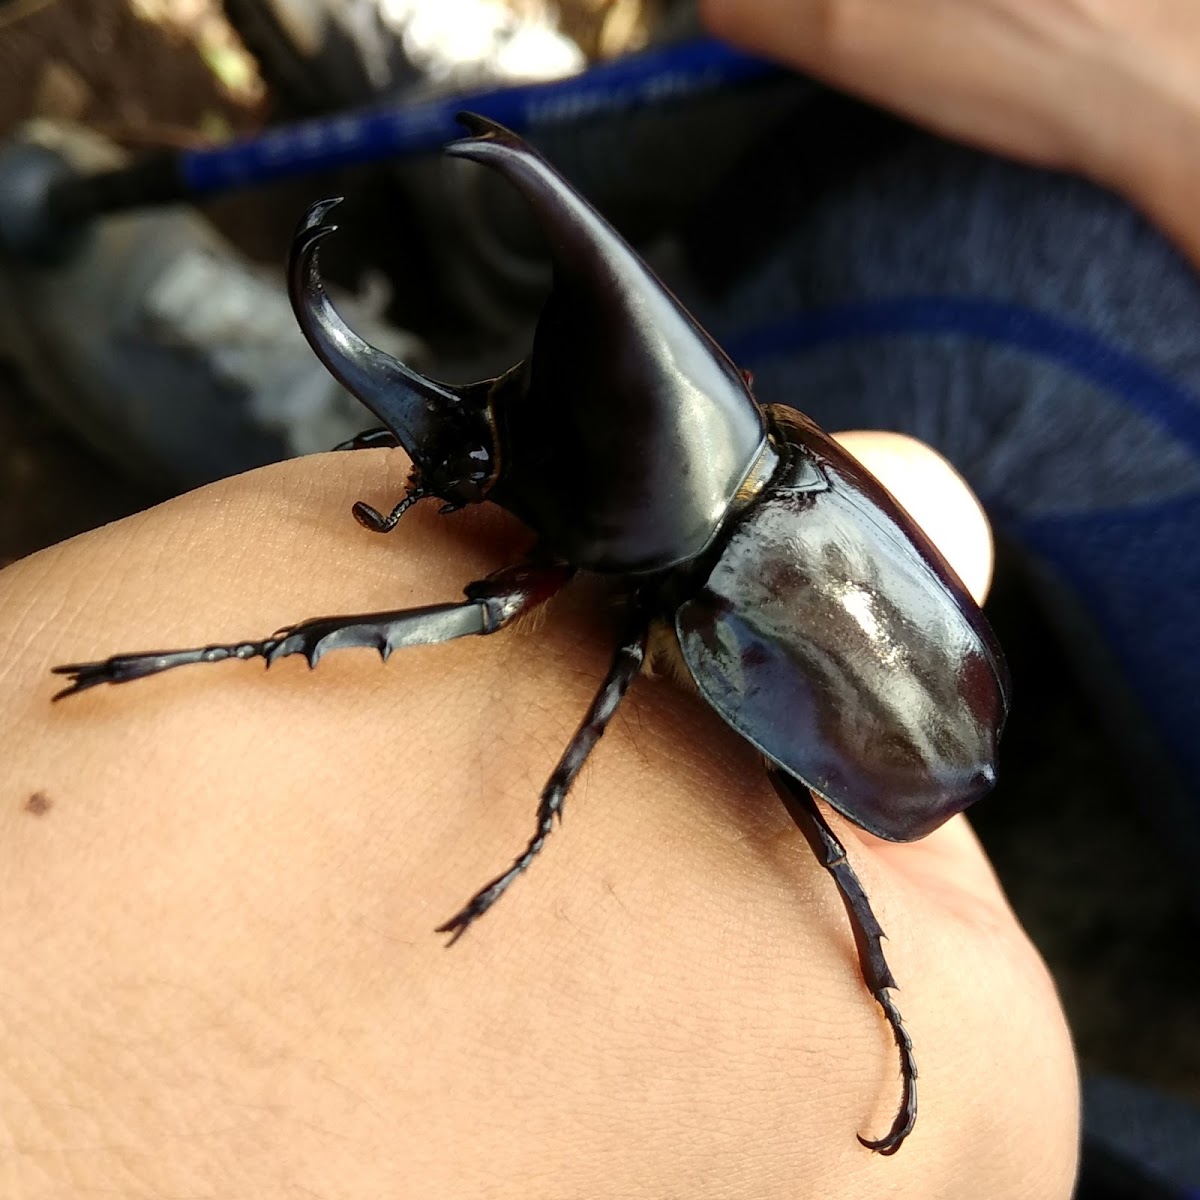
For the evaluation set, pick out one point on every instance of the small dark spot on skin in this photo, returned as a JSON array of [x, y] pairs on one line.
[[38, 804], [612, 891]]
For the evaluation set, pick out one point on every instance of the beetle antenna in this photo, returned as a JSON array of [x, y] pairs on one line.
[[371, 518]]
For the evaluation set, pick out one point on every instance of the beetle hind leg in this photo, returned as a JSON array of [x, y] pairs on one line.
[[868, 938], [626, 664], [491, 604]]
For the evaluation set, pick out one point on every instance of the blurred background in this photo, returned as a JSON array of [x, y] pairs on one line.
[[1028, 325]]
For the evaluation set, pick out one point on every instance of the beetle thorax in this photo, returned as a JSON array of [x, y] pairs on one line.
[[630, 468]]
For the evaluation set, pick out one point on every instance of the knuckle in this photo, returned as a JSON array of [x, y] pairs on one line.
[[837, 30], [817, 32]]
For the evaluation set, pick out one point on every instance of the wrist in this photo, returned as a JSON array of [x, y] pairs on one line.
[[1136, 128], [1159, 171]]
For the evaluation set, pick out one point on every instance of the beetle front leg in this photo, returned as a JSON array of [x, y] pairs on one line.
[[868, 938], [491, 604], [625, 666], [370, 439]]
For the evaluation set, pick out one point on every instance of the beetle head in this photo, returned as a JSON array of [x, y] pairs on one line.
[[446, 430]]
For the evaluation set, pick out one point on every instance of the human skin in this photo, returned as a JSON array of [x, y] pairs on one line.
[[220, 887], [1109, 89]]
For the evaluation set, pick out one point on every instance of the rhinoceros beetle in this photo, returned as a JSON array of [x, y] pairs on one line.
[[810, 610]]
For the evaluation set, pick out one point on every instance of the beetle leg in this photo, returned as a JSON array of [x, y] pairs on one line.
[[491, 604], [370, 439], [868, 938], [625, 666]]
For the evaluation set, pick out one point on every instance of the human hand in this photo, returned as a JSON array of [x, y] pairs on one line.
[[216, 916], [1106, 88]]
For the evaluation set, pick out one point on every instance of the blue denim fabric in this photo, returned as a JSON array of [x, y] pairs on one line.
[[1046, 339]]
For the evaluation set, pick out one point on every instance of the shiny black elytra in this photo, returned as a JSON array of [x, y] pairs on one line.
[[811, 612]]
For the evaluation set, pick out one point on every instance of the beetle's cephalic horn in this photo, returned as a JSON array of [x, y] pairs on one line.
[[410, 405]]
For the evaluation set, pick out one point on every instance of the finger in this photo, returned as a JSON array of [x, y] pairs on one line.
[[1018, 78], [936, 496]]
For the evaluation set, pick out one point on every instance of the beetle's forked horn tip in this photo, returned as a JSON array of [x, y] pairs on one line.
[[478, 126], [314, 218], [312, 229], [302, 267]]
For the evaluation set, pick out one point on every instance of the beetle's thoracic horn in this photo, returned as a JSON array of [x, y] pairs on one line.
[[617, 363], [591, 259], [407, 403]]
